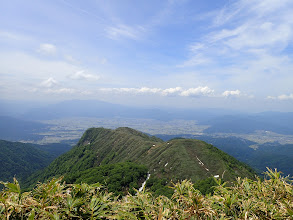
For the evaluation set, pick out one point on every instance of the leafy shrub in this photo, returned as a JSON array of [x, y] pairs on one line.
[[271, 198]]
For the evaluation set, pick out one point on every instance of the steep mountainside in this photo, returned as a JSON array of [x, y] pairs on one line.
[[21, 160], [271, 154], [174, 160]]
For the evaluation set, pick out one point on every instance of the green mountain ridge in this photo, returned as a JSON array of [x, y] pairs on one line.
[[270, 154], [174, 160]]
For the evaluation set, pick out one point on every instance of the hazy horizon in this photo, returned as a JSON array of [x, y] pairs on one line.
[[184, 54]]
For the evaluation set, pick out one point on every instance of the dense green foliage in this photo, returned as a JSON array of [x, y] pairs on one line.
[[174, 160], [118, 178], [273, 155], [245, 199], [206, 186], [21, 160], [159, 187], [162, 186]]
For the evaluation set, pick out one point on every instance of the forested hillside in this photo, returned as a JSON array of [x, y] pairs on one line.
[[21, 160]]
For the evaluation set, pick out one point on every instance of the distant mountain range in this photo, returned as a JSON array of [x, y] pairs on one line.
[[278, 122], [13, 129], [96, 108], [218, 120]]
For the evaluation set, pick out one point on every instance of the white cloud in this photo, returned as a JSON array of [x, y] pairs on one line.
[[104, 61], [245, 47], [254, 24], [61, 91], [226, 33], [194, 60], [149, 90], [267, 6], [227, 13], [196, 47], [47, 49], [58, 90], [199, 91], [244, 9], [81, 75], [285, 97], [9, 35], [86, 92], [70, 58], [281, 97], [124, 31], [176, 91], [50, 82], [228, 93], [52, 87], [263, 35], [142, 90], [245, 25], [172, 91], [31, 74], [20, 64]]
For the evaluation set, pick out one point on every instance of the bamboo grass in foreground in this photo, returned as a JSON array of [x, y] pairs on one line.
[[271, 198]]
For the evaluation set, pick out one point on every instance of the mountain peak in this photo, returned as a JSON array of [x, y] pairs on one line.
[[174, 160]]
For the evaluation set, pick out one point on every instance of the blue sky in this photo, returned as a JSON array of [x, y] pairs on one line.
[[180, 53]]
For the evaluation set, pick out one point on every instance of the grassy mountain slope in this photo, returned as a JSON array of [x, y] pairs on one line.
[[193, 159], [176, 159], [271, 154]]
